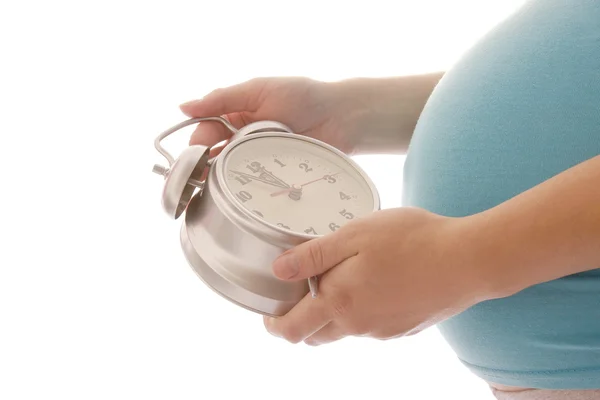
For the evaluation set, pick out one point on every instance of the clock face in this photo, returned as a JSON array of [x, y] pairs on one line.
[[296, 184]]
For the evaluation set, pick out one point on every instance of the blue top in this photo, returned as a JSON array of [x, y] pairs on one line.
[[520, 107]]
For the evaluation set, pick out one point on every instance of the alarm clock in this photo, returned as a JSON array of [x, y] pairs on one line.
[[267, 191]]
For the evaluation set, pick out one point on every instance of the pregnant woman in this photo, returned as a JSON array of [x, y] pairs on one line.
[[498, 241]]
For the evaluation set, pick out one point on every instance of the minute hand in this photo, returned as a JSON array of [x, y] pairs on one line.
[[259, 179], [269, 173]]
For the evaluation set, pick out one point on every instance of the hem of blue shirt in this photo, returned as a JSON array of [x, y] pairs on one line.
[[562, 379]]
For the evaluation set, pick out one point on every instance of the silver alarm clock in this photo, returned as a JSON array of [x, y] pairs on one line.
[[266, 192]]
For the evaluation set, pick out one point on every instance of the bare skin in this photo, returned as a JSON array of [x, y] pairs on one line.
[[357, 116], [555, 224]]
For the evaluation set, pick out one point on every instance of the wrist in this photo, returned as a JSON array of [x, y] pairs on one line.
[[493, 258], [506, 252], [545, 233], [381, 113], [464, 255]]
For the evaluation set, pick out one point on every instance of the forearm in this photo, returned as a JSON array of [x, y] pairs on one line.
[[545, 233], [387, 109]]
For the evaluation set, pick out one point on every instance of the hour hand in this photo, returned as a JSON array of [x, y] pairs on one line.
[[272, 176], [244, 175]]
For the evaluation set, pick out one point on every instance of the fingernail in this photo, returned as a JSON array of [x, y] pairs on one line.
[[268, 321], [286, 266]]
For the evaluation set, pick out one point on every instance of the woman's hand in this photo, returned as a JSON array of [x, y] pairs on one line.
[[387, 275], [399, 271], [355, 116]]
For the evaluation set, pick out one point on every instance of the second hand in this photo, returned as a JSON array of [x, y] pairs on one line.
[[299, 187]]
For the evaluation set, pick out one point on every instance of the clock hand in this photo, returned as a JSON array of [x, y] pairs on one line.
[[270, 174], [298, 188], [322, 178], [273, 183], [294, 188]]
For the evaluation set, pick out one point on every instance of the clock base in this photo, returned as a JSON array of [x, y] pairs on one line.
[[237, 267]]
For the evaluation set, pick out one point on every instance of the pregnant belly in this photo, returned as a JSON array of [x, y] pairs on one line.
[[520, 107]]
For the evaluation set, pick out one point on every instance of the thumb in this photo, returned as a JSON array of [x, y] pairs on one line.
[[315, 256]]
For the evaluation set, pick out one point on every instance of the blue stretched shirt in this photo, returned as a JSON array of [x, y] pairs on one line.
[[520, 107]]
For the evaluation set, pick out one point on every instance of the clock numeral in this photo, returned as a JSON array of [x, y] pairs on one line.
[[243, 196], [283, 226], [329, 179], [254, 166], [243, 179], [344, 196], [258, 213], [333, 226], [311, 230], [305, 167], [346, 214], [279, 162]]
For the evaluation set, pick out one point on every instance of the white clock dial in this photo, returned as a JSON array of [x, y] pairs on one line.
[[296, 184]]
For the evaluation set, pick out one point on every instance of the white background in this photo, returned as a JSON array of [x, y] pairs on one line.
[[96, 299]]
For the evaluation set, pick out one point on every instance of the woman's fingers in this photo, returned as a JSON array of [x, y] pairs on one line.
[[243, 97], [210, 133], [235, 103]]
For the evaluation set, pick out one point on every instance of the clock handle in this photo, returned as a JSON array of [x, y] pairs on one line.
[[183, 175], [183, 124]]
